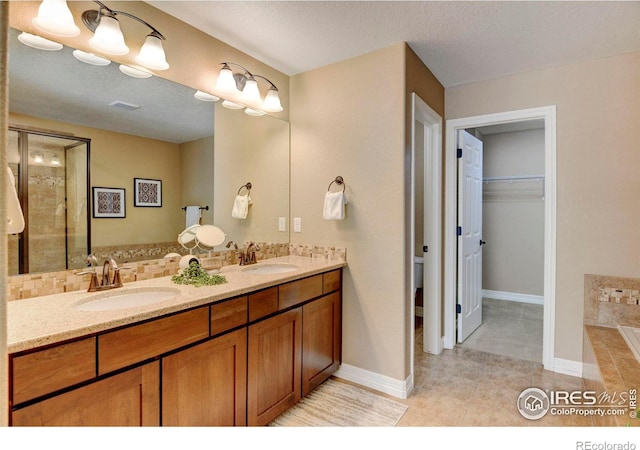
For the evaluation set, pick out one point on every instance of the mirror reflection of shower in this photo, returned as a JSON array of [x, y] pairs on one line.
[[52, 179]]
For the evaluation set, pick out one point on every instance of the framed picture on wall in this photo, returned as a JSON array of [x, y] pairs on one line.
[[147, 192], [108, 202]]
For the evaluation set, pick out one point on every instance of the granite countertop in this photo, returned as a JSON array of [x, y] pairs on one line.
[[45, 320]]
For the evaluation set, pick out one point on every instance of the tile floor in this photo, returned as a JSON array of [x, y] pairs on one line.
[[467, 386], [509, 329]]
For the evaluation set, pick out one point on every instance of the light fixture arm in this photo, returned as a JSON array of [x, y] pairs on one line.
[[267, 80], [91, 20], [248, 75]]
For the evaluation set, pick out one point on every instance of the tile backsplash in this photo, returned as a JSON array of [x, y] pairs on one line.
[[39, 284], [611, 301]]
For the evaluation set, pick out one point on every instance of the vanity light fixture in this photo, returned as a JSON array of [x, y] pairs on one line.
[[55, 161], [55, 17], [108, 37], [240, 90]]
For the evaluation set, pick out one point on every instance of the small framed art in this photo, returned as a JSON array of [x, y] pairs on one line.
[[147, 192], [108, 202]]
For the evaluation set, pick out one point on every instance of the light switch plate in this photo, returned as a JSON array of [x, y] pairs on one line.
[[282, 224], [297, 224]]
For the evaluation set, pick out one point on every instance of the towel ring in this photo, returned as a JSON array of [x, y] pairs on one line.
[[339, 181], [247, 186]]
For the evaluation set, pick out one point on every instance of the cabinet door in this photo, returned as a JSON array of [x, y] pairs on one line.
[[321, 343], [275, 347], [131, 398], [205, 385]]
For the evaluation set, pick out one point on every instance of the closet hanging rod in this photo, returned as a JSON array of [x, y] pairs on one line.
[[514, 178]]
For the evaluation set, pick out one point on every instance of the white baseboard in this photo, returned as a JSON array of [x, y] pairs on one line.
[[513, 297], [567, 367], [397, 388]]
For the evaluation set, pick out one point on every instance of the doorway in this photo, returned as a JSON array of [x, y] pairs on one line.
[[512, 223], [547, 115], [426, 229]]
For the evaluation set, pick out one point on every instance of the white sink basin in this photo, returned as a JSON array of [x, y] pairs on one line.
[[116, 299], [271, 268]]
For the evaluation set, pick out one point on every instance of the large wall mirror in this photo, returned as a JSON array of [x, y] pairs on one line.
[[151, 129]]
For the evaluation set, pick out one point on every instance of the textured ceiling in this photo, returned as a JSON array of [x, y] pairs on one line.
[[461, 41]]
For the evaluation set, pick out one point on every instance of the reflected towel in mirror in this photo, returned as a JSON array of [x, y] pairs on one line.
[[334, 206], [241, 207], [193, 216], [15, 219]]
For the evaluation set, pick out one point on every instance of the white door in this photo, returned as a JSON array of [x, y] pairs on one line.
[[469, 234]]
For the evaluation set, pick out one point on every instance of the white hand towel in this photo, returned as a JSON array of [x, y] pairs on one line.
[[193, 216], [15, 219], [241, 207], [334, 206]]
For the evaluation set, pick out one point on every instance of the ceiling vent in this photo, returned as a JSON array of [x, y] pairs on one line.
[[124, 105]]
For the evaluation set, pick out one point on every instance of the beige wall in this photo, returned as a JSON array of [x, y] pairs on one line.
[[257, 153], [598, 201], [116, 159], [196, 177], [349, 119], [513, 213]]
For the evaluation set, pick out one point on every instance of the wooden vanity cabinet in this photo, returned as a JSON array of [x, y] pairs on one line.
[[321, 340], [240, 361], [130, 398], [274, 362], [205, 385]]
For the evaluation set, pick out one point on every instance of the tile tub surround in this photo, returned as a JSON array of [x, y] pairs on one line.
[[609, 366], [40, 321], [40, 284], [611, 301]]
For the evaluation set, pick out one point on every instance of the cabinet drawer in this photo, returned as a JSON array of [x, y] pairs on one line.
[[332, 281], [55, 368], [263, 303], [299, 291], [137, 343], [228, 314]]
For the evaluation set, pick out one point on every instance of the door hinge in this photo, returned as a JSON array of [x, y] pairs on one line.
[[425, 248], [458, 308], [459, 153], [459, 231]]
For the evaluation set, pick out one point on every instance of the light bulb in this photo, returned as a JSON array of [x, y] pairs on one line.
[[108, 38], [54, 16], [152, 54]]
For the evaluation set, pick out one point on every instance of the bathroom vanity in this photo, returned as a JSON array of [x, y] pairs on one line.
[[235, 354]]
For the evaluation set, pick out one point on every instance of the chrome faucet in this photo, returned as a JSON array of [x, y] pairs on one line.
[[107, 282]]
